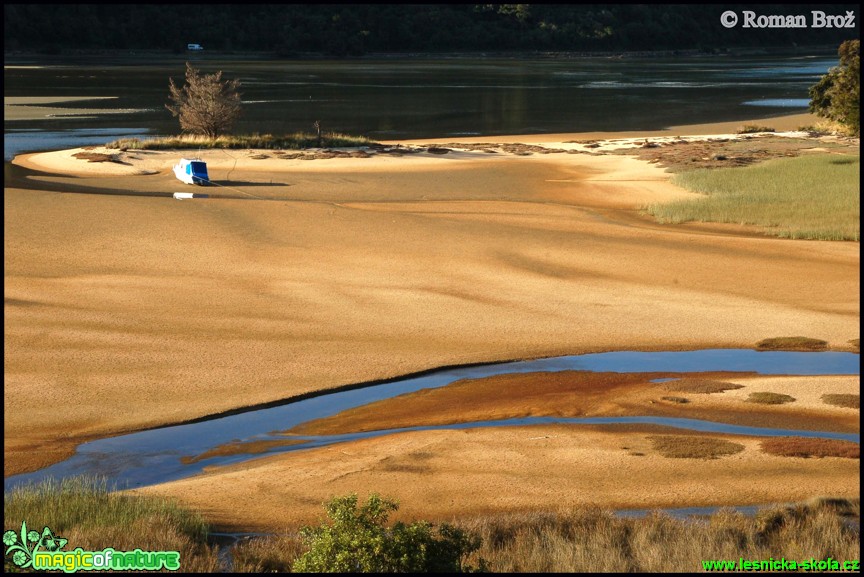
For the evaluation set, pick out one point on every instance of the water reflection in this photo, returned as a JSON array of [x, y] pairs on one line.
[[429, 98]]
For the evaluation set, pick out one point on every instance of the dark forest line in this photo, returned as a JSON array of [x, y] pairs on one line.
[[286, 30]]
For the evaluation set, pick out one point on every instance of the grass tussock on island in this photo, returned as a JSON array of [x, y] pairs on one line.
[[791, 344], [766, 398], [296, 141], [690, 447], [701, 386], [840, 400], [810, 197], [806, 447], [581, 539]]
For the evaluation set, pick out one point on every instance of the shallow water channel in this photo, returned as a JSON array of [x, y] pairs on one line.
[[160, 455]]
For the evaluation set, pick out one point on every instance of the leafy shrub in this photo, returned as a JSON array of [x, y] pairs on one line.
[[837, 96], [357, 540]]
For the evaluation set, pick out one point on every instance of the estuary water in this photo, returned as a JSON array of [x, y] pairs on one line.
[[419, 97], [161, 455]]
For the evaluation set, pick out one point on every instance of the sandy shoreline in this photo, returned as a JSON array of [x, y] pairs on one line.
[[141, 310]]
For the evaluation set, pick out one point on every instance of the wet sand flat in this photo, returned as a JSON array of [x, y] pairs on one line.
[[448, 474], [445, 474], [295, 276]]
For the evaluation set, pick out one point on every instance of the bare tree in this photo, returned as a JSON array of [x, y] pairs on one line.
[[206, 104]]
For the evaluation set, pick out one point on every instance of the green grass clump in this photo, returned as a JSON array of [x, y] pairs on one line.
[[764, 398], [680, 400], [296, 141], [810, 197], [849, 401], [791, 344], [84, 512], [690, 447]]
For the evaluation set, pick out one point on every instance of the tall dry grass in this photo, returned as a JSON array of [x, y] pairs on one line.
[[83, 511], [593, 540], [809, 197]]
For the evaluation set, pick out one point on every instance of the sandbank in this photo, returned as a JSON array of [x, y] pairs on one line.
[[139, 310], [445, 475], [38, 107]]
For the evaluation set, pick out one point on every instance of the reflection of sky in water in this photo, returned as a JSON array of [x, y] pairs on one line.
[[149, 457], [813, 69], [780, 102], [20, 141]]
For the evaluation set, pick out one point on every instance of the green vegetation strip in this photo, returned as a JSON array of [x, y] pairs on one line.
[[811, 197], [297, 141]]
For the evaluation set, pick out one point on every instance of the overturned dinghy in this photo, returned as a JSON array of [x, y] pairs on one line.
[[192, 171], [185, 195]]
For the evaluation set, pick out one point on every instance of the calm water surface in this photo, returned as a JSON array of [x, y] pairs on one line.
[[156, 456], [424, 98]]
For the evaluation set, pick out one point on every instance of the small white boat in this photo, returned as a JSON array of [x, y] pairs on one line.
[[192, 171]]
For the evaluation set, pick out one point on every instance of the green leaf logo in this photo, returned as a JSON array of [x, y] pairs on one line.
[[22, 554], [50, 541]]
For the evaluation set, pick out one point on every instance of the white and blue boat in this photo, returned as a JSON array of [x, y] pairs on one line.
[[192, 171]]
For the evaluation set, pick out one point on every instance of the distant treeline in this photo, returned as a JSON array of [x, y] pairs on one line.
[[357, 29]]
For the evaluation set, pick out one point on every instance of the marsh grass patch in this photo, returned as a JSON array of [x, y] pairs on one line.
[[753, 128], [807, 197], [806, 447], [98, 157], [849, 401], [702, 386], [271, 554], [791, 344], [691, 447], [679, 400], [591, 540], [84, 511], [768, 398]]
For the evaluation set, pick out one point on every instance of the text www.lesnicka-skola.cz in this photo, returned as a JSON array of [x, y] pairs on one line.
[[782, 564]]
